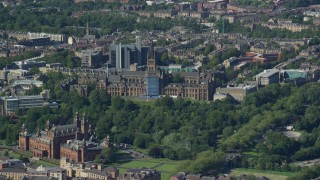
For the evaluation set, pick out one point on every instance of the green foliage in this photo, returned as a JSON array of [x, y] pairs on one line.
[[117, 103], [29, 17], [107, 156], [142, 140], [156, 152], [307, 173], [24, 159], [205, 162], [277, 143], [220, 57], [314, 41], [300, 3], [34, 90], [167, 60], [307, 153], [26, 55], [265, 32], [65, 57], [176, 147], [163, 42], [11, 135], [180, 129], [254, 3], [177, 78], [34, 70]]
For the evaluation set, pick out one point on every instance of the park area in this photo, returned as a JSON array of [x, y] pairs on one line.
[[165, 166], [272, 175]]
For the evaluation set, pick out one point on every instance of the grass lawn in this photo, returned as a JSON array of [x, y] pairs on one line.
[[273, 175], [252, 153], [14, 154], [144, 151], [45, 163], [166, 176], [122, 170], [140, 101], [138, 164], [165, 166], [2, 142]]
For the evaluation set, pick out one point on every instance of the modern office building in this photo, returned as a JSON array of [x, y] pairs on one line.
[[91, 58], [9, 104], [121, 56], [268, 77], [52, 37], [237, 93]]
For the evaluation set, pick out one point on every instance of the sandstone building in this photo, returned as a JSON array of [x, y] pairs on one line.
[[46, 143]]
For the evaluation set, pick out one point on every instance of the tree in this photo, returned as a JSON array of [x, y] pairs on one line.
[[206, 163], [156, 152], [34, 70], [24, 159], [142, 141], [208, 49], [10, 135], [314, 41], [307, 173], [177, 78], [108, 155], [165, 101], [277, 143], [34, 90], [117, 102]]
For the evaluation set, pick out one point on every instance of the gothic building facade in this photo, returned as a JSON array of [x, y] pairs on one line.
[[46, 143]]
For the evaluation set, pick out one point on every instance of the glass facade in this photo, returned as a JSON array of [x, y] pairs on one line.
[[12, 104], [32, 101], [152, 86]]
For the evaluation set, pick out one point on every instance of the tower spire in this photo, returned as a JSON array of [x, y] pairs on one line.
[[151, 51], [87, 29]]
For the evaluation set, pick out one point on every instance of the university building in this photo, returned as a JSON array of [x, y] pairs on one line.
[[61, 141], [121, 56], [80, 150]]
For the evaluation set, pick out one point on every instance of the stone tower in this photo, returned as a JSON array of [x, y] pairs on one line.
[[85, 126]]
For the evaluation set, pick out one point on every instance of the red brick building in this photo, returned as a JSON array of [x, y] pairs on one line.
[[80, 151], [47, 143]]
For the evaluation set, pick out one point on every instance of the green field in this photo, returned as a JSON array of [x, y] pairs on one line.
[[138, 164], [144, 151], [165, 166], [14, 154], [45, 163], [272, 175]]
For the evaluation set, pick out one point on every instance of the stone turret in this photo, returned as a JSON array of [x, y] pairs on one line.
[[106, 142], [23, 128], [77, 120], [85, 126], [48, 125], [23, 138]]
